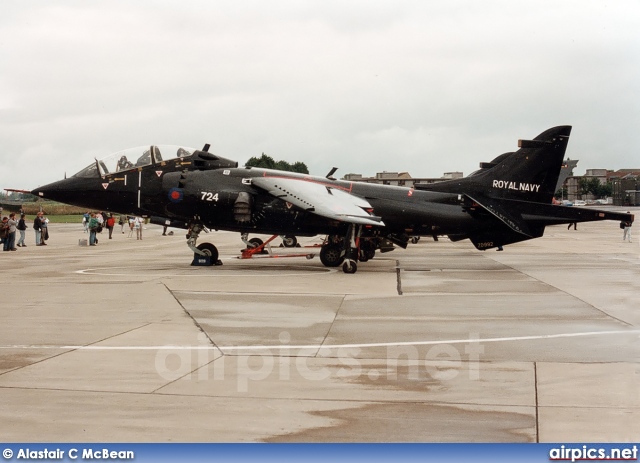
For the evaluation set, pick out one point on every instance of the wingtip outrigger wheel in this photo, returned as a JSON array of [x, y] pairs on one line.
[[349, 266], [351, 249], [290, 241]]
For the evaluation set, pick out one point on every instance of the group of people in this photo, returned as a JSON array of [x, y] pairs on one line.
[[94, 222], [10, 226], [135, 225]]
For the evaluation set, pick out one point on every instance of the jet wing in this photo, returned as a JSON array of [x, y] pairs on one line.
[[321, 199]]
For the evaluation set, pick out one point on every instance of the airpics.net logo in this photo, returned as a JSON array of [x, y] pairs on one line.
[[591, 453], [365, 363]]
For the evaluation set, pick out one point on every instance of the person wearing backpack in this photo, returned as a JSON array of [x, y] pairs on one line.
[[111, 222]]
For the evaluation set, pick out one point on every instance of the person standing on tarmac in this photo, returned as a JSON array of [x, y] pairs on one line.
[[22, 227], [12, 232], [4, 233], [138, 227], [37, 227], [93, 229], [110, 224], [44, 229], [627, 230]]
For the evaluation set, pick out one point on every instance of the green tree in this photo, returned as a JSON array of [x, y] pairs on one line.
[[561, 193], [583, 186], [300, 167], [283, 165], [594, 186], [264, 161], [267, 162], [604, 190]]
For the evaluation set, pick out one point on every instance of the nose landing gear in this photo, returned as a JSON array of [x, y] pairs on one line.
[[205, 253]]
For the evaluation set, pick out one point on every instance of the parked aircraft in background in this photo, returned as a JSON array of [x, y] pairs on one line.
[[507, 201]]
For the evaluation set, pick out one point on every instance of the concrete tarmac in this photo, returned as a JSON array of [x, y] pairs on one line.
[[126, 342]]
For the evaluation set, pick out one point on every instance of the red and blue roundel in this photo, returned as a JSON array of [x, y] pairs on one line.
[[176, 195]]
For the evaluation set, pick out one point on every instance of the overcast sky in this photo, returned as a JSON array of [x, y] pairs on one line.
[[366, 86]]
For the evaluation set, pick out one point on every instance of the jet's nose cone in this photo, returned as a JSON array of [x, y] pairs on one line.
[[91, 193], [49, 191], [66, 191]]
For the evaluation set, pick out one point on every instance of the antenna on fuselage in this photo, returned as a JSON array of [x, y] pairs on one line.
[[331, 172]]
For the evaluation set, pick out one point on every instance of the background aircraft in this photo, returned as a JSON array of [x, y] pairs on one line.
[[505, 202]]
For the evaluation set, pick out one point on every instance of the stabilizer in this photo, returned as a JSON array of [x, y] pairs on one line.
[[512, 219], [523, 220], [549, 214], [529, 174]]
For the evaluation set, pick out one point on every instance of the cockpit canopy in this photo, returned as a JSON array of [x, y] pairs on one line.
[[133, 158]]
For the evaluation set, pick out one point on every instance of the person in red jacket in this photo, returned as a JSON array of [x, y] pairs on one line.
[[110, 224]]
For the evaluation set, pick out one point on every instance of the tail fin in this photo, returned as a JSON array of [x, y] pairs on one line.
[[529, 174]]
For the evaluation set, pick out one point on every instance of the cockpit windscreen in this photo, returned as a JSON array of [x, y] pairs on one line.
[[134, 157]]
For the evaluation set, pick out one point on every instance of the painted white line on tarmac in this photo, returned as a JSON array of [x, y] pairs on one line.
[[329, 346], [155, 272]]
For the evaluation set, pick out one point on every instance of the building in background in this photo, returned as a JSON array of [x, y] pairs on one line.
[[405, 179], [626, 187], [399, 178]]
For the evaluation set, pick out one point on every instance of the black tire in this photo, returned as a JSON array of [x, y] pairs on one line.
[[349, 266], [289, 241], [255, 242], [367, 251], [209, 250], [330, 256]]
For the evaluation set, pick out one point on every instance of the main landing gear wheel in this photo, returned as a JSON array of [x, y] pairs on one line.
[[331, 255], [209, 250], [367, 250]]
